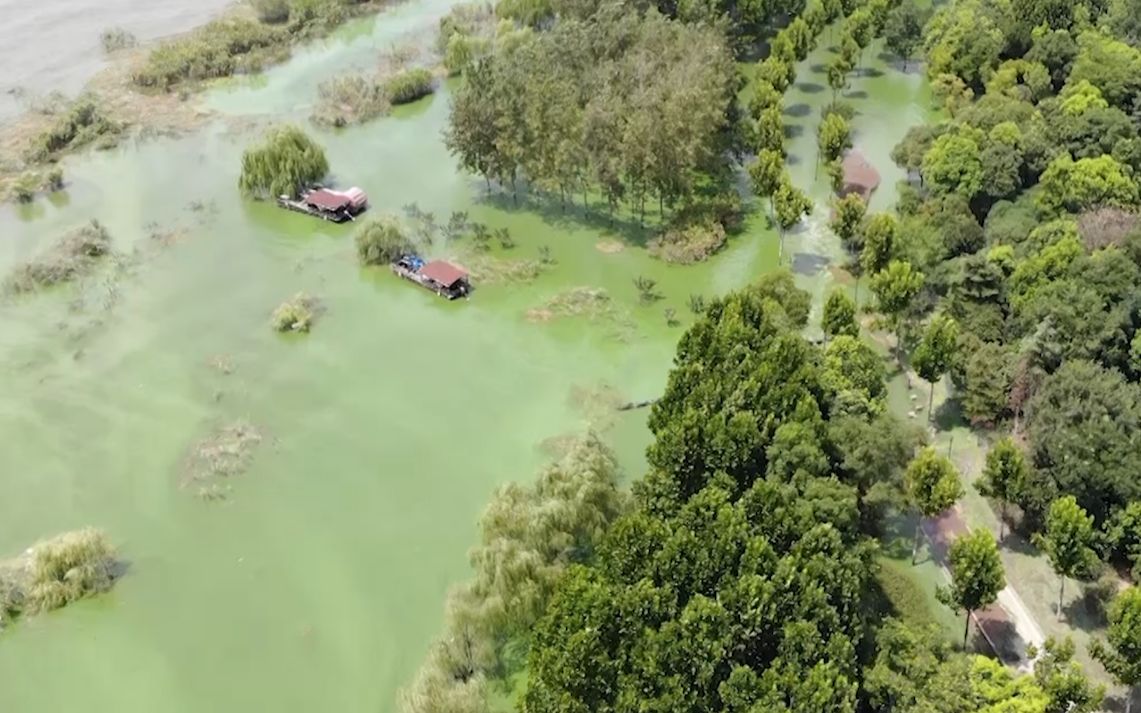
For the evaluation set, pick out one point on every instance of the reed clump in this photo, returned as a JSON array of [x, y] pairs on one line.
[[56, 572], [296, 314], [72, 256]]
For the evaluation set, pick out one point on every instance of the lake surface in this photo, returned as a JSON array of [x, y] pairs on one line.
[[318, 583]]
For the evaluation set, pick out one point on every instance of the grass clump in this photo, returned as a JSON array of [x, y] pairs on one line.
[[296, 314], [116, 39], [84, 122], [409, 85], [688, 244], [589, 302], [56, 572], [350, 100], [72, 256], [381, 241], [224, 453], [220, 48]]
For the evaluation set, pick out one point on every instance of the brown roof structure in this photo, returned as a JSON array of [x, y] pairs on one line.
[[327, 200], [444, 273], [859, 175]]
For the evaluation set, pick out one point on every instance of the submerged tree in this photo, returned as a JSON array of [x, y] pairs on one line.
[[286, 162], [839, 315]]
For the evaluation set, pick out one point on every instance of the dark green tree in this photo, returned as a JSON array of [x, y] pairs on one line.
[[1004, 476], [839, 315], [1120, 651], [936, 353]]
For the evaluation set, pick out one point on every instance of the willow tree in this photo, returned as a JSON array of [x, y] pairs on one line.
[[283, 164]]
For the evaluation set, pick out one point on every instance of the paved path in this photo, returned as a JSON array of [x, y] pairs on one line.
[[1006, 625]]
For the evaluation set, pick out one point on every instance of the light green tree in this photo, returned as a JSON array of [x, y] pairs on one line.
[[1074, 186], [1120, 651], [286, 162], [895, 287], [833, 137], [977, 575], [932, 485], [880, 231], [791, 205], [936, 353], [839, 315], [1004, 476], [1068, 541]]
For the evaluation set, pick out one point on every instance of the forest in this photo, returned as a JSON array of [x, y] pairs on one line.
[[741, 575]]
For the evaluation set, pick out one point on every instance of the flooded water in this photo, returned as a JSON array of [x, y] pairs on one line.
[[54, 46], [319, 582]]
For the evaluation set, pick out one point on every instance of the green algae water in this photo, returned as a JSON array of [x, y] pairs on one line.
[[318, 582]]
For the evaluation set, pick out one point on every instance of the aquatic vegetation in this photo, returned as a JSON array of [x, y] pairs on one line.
[[56, 572], [221, 48], [286, 162], [84, 122], [226, 452], [488, 269], [271, 12], [589, 302], [381, 240], [530, 535], [689, 244], [71, 256], [349, 100], [115, 39], [296, 314], [409, 85], [465, 35], [647, 289], [25, 186]]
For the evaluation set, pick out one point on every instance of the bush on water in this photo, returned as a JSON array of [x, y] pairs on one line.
[[409, 85], [73, 255], [295, 314], [84, 122], [381, 240], [56, 572], [284, 164]]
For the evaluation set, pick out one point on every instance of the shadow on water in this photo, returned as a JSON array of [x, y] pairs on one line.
[[870, 72], [809, 264], [571, 216], [810, 87], [798, 110], [791, 131], [949, 414], [858, 94]]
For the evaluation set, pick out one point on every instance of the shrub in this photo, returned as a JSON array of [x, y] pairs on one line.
[[25, 186], [409, 85], [218, 49], [381, 240], [689, 244], [84, 122], [73, 255], [54, 179], [349, 100], [115, 39], [272, 11], [295, 314], [285, 163]]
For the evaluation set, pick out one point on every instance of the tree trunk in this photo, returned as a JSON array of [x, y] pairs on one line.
[[585, 205], [856, 299], [1129, 700], [1002, 522], [930, 402], [487, 179], [514, 190], [918, 536], [1061, 593], [966, 630]]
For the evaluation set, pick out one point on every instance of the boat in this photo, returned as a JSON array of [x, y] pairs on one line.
[[327, 204], [440, 276]]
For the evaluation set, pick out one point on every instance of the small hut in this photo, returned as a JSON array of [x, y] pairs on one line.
[[859, 176]]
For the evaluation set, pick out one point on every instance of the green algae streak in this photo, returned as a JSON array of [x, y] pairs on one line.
[[318, 581]]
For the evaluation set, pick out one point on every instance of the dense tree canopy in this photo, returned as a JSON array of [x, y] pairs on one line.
[[286, 162]]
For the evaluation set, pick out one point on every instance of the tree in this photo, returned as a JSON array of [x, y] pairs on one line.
[[776, 72], [932, 486], [903, 31], [953, 164], [847, 216], [834, 136], [1075, 186], [381, 241], [790, 205], [770, 131], [854, 375], [1120, 652], [1068, 541], [880, 231], [286, 162], [1062, 678], [839, 315], [976, 575], [1004, 476], [985, 386], [895, 286], [964, 39], [936, 353], [838, 70]]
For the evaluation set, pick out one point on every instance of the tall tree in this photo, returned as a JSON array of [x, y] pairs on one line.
[[847, 215], [895, 286], [1120, 652], [936, 353], [903, 30], [1068, 541], [880, 231], [766, 174], [791, 205], [1004, 476], [839, 315], [977, 575], [932, 486], [833, 137], [285, 163], [770, 131]]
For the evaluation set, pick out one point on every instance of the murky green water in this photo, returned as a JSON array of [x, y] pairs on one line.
[[319, 582]]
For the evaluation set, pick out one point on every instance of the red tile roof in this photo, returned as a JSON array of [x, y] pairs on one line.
[[327, 200], [445, 273]]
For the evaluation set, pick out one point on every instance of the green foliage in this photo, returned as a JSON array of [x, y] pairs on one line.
[[977, 575], [75, 254], [409, 85], [1068, 542], [847, 217], [903, 31], [986, 384], [880, 231], [854, 376], [839, 315], [286, 162], [295, 314], [689, 243], [56, 572], [895, 286], [1111, 65], [218, 49], [381, 240], [790, 203], [271, 12], [834, 136], [938, 348], [1063, 680], [932, 483], [84, 122], [1120, 651], [1074, 186], [953, 164], [349, 99], [1005, 474], [766, 172], [769, 131]]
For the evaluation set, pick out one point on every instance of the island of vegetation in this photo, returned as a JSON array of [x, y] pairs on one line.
[[56, 572]]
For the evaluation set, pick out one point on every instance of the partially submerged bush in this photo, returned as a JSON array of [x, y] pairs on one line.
[[218, 49], [590, 302], [224, 453], [284, 164], [409, 85], [73, 255], [350, 100], [56, 572], [381, 240], [25, 186], [272, 12], [688, 244], [295, 314], [83, 123], [115, 39]]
